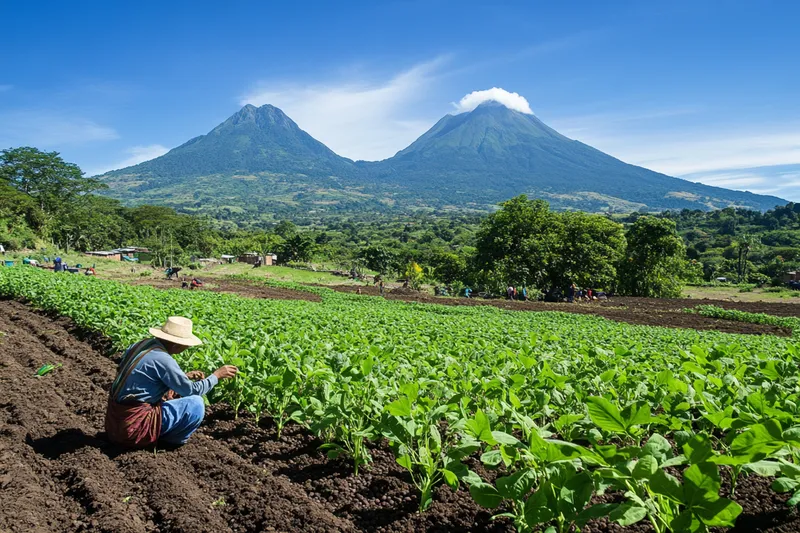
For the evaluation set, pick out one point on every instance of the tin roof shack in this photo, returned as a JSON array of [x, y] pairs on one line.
[[228, 258], [251, 258], [791, 276], [113, 254]]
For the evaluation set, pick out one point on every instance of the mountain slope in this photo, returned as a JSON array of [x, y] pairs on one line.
[[259, 165], [496, 153]]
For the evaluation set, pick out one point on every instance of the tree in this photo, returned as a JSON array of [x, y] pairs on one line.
[[744, 245], [298, 247], [519, 242], [591, 249], [654, 259], [414, 275], [50, 181], [377, 258], [449, 267]]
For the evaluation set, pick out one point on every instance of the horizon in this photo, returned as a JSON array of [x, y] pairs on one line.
[[111, 86]]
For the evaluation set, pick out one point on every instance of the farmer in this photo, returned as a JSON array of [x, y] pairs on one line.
[[467, 292], [137, 414]]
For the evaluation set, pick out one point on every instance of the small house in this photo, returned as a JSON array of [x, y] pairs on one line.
[[251, 258], [113, 254], [791, 276], [228, 258]]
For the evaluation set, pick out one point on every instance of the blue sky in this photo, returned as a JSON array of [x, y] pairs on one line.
[[706, 90]]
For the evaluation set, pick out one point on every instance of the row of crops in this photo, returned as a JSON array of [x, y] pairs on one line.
[[559, 408]]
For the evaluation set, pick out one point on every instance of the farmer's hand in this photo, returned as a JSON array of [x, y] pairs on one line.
[[195, 375], [225, 372], [170, 395]]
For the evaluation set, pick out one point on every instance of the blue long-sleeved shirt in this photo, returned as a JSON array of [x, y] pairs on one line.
[[158, 373]]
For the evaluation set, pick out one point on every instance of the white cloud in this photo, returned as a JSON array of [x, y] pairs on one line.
[[46, 129], [779, 180], [748, 157], [510, 100], [136, 155], [356, 119]]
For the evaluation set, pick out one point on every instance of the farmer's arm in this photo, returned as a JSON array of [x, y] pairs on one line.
[[173, 377]]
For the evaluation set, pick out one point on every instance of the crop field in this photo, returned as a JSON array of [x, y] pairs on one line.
[[355, 413]]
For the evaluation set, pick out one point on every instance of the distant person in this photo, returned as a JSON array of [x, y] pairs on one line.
[[524, 295], [510, 292], [381, 287], [195, 284], [467, 292], [57, 266], [358, 290], [90, 271], [571, 293]]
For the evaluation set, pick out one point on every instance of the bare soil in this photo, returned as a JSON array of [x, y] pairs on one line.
[[58, 473], [642, 311], [241, 287]]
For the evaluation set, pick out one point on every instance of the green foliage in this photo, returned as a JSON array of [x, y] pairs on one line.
[[654, 259], [446, 383], [525, 243]]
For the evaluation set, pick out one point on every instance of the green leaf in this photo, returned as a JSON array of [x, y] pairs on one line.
[[698, 449], [759, 439], [593, 513], [700, 483], [480, 428], [645, 467], [485, 495], [537, 509], [666, 485], [516, 486], [636, 414], [450, 478], [405, 462], [764, 468], [367, 364], [504, 438], [492, 458], [400, 407], [784, 484], [721, 512], [605, 415], [627, 514]]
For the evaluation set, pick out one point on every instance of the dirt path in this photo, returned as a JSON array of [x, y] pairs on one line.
[[245, 288], [641, 311]]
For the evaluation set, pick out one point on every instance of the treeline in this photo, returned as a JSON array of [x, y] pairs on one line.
[[742, 245], [45, 201]]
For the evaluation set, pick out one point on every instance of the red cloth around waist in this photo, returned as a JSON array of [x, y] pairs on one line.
[[133, 425]]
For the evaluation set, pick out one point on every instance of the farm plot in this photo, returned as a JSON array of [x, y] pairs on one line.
[[552, 420]]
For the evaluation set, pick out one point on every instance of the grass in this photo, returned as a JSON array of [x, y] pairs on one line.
[[121, 271], [733, 293]]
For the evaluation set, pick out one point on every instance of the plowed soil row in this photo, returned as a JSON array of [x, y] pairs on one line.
[[59, 474], [240, 287]]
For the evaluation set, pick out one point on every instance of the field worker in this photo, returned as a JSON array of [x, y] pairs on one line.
[[137, 414]]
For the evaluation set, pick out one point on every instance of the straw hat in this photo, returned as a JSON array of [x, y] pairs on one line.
[[176, 329]]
